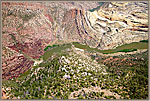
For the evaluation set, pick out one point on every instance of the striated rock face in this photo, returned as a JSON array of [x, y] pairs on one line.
[[28, 27], [112, 25], [120, 23], [14, 63]]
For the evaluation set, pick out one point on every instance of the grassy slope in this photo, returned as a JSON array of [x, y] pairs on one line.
[[133, 86], [57, 84], [134, 45], [57, 49], [132, 71]]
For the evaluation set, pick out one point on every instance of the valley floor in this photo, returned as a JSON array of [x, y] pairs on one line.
[[74, 73]]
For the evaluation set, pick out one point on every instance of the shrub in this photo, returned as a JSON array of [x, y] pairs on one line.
[[144, 41], [127, 50], [80, 97]]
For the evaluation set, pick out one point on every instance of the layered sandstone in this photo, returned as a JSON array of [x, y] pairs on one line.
[[112, 25]]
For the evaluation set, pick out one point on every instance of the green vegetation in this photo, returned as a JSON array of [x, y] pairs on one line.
[[124, 48], [14, 39], [128, 78], [49, 47], [98, 7], [9, 83], [24, 74], [49, 53], [131, 75], [144, 41], [26, 17], [127, 50], [29, 85], [46, 81]]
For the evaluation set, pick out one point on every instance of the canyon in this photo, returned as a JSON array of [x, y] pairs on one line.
[[29, 27]]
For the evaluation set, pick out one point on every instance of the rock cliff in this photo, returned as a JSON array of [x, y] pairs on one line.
[[111, 25]]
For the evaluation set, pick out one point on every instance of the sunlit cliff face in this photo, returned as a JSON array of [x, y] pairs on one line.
[[111, 25]]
